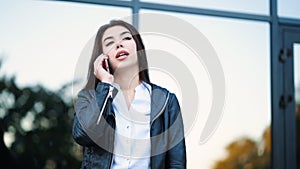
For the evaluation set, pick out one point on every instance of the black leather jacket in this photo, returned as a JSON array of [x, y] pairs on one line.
[[166, 132]]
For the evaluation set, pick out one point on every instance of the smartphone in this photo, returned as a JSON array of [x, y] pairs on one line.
[[105, 65]]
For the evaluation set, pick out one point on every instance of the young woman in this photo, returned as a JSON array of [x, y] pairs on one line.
[[121, 118]]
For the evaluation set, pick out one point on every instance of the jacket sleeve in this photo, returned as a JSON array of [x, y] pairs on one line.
[[87, 111], [176, 155]]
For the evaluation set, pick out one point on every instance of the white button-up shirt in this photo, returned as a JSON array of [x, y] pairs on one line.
[[132, 137]]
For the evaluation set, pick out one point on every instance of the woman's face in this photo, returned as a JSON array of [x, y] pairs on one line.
[[119, 45]]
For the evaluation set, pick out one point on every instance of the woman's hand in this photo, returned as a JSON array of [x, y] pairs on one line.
[[100, 72]]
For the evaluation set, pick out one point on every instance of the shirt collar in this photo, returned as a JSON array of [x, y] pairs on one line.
[[142, 86]]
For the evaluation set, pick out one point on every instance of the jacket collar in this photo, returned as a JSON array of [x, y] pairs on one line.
[[159, 99]]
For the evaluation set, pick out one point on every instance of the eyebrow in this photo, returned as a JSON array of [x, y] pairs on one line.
[[110, 37]]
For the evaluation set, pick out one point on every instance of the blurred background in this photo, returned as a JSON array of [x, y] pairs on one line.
[[41, 43]]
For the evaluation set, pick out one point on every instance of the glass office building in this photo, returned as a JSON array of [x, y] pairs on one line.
[[250, 69]]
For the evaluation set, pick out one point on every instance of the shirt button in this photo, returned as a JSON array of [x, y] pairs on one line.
[[127, 127]]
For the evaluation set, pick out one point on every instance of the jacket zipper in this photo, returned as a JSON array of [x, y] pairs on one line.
[[161, 111], [109, 94]]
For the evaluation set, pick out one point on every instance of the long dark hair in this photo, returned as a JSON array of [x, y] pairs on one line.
[[92, 81]]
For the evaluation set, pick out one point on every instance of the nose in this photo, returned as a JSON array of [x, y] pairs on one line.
[[119, 44]]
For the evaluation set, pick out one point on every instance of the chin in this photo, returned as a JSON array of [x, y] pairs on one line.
[[127, 65]]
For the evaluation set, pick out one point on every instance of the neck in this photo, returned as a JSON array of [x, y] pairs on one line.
[[127, 79]]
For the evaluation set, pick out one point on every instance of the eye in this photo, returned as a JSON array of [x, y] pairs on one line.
[[109, 43], [127, 38]]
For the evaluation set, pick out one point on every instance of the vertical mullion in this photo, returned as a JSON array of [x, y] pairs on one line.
[[135, 13], [278, 150]]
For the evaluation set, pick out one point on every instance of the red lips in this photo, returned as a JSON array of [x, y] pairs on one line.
[[122, 54]]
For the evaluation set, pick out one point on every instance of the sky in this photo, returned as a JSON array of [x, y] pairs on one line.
[[43, 39], [42, 42]]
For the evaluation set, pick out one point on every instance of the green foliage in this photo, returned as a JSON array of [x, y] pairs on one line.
[[41, 123]]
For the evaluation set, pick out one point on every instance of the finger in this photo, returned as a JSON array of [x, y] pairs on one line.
[[98, 64], [98, 61], [95, 65]]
